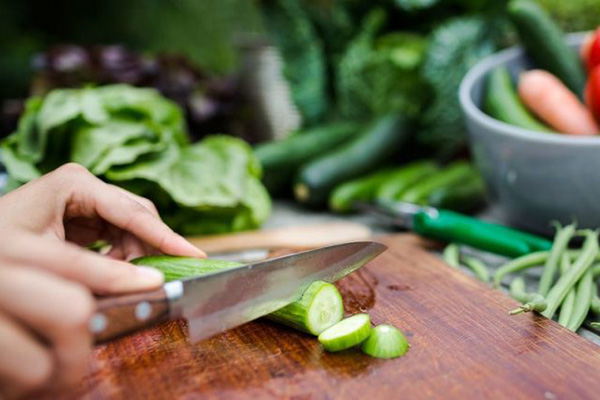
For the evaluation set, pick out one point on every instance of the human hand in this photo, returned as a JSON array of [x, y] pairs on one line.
[[47, 279]]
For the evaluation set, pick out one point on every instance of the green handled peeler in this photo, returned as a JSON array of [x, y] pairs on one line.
[[454, 227]]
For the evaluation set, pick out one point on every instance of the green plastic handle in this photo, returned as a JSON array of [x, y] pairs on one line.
[[498, 239]]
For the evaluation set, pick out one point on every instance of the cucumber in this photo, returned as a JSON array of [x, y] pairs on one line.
[[280, 159], [347, 333], [367, 151], [466, 196], [361, 189], [545, 43], [398, 183], [385, 341], [450, 176], [319, 308], [502, 102], [176, 268]]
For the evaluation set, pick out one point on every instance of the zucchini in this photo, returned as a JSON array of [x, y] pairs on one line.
[[385, 341], [465, 196], [319, 308], [281, 159], [367, 151], [345, 334], [177, 268], [502, 102], [450, 176], [361, 189], [545, 43], [399, 182]]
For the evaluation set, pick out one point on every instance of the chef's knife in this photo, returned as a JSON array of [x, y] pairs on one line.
[[220, 301]]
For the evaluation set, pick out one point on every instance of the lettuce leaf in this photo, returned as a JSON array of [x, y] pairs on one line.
[[135, 138]]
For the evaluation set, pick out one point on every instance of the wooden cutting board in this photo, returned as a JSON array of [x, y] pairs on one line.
[[464, 345]]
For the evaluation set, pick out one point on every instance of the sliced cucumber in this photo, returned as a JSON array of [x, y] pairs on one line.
[[385, 341], [347, 333], [319, 308]]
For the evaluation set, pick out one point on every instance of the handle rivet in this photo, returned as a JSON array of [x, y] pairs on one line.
[[98, 323], [143, 311]]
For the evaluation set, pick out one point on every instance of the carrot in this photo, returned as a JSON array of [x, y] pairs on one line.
[[555, 104]]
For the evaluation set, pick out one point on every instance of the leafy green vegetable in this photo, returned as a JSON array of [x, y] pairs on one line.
[[136, 138], [455, 47], [303, 55], [378, 75]]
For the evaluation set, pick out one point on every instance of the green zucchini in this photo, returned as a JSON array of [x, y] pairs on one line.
[[450, 176], [363, 154], [319, 308], [502, 102], [466, 196], [385, 341], [347, 333], [361, 189], [399, 182], [281, 159], [545, 43]]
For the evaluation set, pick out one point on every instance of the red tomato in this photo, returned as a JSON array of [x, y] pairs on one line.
[[592, 92], [593, 58]]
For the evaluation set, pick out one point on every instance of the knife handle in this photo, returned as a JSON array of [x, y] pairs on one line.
[[498, 239], [118, 315]]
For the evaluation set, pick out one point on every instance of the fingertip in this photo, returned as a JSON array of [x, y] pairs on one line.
[[150, 276], [182, 247]]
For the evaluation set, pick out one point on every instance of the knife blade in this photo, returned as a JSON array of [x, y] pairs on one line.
[[220, 301]]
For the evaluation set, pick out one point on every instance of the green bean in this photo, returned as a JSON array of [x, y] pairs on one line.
[[452, 255], [519, 264], [531, 301], [595, 325], [567, 306], [596, 270], [583, 300], [561, 242], [560, 290], [595, 306], [535, 302], [478, 267], [517, 290], [534, 260]]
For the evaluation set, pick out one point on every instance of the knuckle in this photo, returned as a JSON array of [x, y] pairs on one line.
[[72, 169]]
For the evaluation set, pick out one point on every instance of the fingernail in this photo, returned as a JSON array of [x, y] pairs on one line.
[[150, 273], [193, 249]]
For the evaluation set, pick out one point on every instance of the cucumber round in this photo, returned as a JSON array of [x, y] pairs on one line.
[[347, 333], [319, 308], [363, 154], [385, 341]]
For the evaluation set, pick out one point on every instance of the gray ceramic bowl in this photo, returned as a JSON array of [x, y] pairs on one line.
[[533, 177]]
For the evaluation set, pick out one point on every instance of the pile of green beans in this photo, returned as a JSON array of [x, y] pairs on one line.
[[568, 281]]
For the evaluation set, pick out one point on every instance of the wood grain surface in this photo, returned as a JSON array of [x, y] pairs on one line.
[[464, 345]]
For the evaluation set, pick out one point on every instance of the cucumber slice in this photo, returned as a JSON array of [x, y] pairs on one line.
[[319, 308], [347, 333], [385, 341]]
